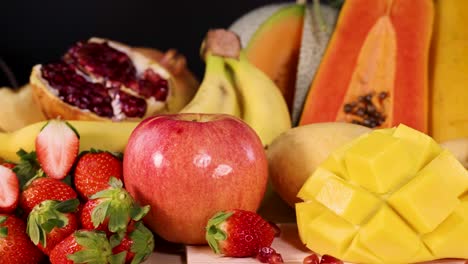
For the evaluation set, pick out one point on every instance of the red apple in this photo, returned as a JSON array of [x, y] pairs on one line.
[[187, 167]]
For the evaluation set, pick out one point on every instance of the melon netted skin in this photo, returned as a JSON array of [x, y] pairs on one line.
[[390, 196]]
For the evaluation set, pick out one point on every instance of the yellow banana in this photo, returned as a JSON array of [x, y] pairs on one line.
[[449, 82], [262, 105], [216, 93], [110, 136], [18, 108]]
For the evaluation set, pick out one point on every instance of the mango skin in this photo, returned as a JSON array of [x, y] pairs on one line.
[[296, 153], [422, 216]]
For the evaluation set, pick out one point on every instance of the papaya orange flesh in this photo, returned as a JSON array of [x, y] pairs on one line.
[[274, 48], [374, 71]]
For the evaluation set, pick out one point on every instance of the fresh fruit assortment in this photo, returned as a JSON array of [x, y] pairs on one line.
[[379, 157], [391, 190], [69, 208]]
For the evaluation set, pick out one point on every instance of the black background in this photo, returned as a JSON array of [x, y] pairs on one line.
[[33, 32]]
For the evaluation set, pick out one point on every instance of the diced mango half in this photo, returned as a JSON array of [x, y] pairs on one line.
[[379, 162], [432, 195], [391, 196]]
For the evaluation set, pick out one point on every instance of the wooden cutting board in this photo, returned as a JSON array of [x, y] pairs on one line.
[[288, 245]]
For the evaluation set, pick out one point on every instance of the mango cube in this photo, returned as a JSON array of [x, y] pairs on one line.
[[379, 162], [430, 198], [306, 212], [329, 233], [314, 183], [347, 201], [358, 253], [449, 239], [424, 147], [386, 234]]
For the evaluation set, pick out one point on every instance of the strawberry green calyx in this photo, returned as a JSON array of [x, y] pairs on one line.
[[46, 216], [116, 204], [3, 229], [95, 248], [143, 243], [27, 168], [215, 231]]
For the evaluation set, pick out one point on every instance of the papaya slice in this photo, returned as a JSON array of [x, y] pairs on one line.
[[374, 71], [274, 48]]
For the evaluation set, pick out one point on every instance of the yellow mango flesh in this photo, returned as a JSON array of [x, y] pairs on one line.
[[390, 196]]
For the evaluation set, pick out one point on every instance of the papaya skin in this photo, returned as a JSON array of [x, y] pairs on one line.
[[408, 100]]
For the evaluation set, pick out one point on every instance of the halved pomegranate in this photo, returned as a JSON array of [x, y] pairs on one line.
[[100, 79]]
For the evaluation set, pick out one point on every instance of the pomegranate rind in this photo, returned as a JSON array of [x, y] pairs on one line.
[[52, 107], [185, 82]]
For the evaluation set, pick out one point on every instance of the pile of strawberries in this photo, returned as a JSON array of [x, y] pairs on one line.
[[69, 207]]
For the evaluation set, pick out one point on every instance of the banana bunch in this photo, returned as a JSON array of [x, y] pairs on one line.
[[110, 136], [18, 108], [232, 85]]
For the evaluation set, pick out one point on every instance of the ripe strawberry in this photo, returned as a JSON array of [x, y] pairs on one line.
[[137, 243], [94, 170], [238, 233], [52, 221], [42, 189], [9, 165], [9, 190], [15, 245], [84, 246], [111, 210], [57, 147]]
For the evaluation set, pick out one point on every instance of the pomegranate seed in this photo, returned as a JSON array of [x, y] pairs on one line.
[[265, 253], [275, 258], [311, 259], [327, 259]]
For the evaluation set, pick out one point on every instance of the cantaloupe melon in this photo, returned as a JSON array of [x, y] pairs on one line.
[[399, 198], [286, 42]]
